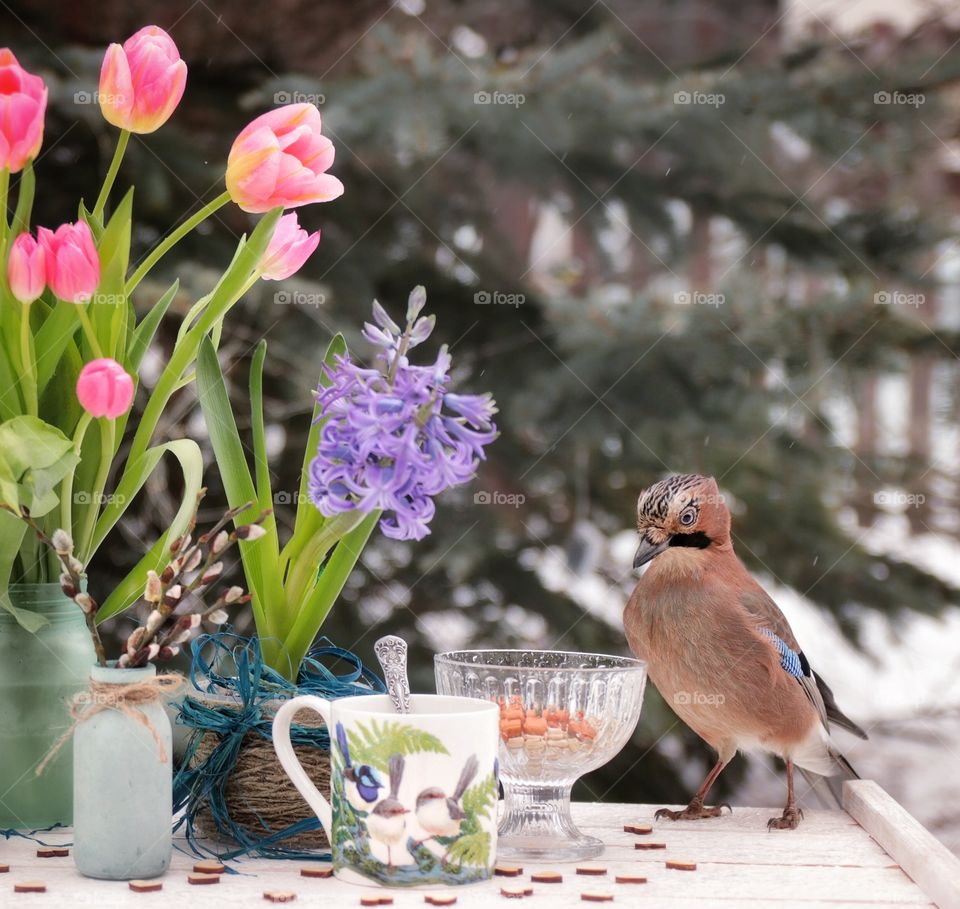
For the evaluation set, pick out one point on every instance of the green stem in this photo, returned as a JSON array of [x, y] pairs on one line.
[[28, 378], [108, 438], [4, 191], [159, 251], [88, 328], [66, 488], [112, 171]]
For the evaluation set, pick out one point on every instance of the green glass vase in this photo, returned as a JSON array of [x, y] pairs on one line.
[[39, 674]]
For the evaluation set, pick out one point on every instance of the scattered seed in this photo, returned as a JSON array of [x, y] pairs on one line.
[[316, 872], [681, 866], [596, 896], [439, 899], [649, 845], [514, 893], [30, 887], [630, 879], [203, 878], [593, 870], [209, 866], [52, 853], [546, 877], [369, 900], [279, 896], [508, 870], [145, 886], [388, 900], [639, 829], [4, 869]]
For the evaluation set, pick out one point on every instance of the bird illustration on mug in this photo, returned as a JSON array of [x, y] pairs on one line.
[[440, 815], [387, 822], [362, 784], [720, 651]]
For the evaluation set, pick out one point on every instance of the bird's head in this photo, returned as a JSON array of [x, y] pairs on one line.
[[684, 510]]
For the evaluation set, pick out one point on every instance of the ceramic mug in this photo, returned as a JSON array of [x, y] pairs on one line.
[[413, 797]]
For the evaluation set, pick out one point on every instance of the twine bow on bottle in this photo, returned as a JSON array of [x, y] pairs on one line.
[[125, 699]]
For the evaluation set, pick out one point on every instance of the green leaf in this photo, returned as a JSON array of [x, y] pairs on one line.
[[188, 454], [373, 744], [261, 467], [37, 456], [144, 333], [481, 798], [21, 216], [470, 849], [52, 339]]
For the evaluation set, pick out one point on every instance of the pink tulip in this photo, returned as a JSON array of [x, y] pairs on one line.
[[281, 159], [142, 82], [289, 247], [23, 102], [104, 389], [26, 269], [73, 266]]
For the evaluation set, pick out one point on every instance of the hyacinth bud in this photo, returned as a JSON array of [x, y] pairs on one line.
[[173, 595], [233, 594], [212, 573], [217, 616], [220, 542], [168, 574], [422, 330], [133, 642], [250, 532], [153, 592], [168, 652], [85, 602], [416, 301], [62, 543]]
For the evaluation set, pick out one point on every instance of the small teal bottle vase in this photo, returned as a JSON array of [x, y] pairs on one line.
[[123, 791]]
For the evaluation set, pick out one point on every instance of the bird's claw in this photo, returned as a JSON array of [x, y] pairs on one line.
[[693, 812], [789, 820]]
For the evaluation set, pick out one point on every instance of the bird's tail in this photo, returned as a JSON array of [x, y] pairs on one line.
[[342, 743], [829, 789], [466, 777], [395, 767]]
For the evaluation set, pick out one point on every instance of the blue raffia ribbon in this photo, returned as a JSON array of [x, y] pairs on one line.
[[253, 687]]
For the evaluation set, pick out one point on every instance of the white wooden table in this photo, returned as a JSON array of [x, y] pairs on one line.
[[887, 859]]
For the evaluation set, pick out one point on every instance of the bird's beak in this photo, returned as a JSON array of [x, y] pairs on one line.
[[647, 551]]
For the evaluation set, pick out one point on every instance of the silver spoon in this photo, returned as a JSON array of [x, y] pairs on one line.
[[391, 651]]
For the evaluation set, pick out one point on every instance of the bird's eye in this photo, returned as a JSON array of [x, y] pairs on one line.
[[688, 516]]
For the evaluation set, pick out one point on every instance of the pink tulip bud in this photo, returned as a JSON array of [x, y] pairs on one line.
[[23, 103], [281, 159], [26, 269], [72, 262], [289, 247], [142, 82], [104, 389]]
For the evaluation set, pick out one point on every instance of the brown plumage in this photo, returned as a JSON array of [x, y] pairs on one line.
[[717, 647]]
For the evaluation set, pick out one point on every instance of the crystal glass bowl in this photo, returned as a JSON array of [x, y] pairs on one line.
[[561, 715]]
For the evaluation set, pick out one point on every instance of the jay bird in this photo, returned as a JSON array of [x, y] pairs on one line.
[[719, 650]]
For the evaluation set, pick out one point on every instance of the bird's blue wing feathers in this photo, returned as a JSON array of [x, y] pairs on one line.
[[789, 658], [342, 743]]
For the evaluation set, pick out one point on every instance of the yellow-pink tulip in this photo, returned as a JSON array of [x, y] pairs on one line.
[[289, 247], [142, 82], [281, 159], [26, 268], [23, 103]]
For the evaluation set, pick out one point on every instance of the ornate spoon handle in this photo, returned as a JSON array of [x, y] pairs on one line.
[[391, 651]]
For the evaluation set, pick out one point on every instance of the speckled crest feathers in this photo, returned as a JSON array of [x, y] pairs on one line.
[[654, 502]]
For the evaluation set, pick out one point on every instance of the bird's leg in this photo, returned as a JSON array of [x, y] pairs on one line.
[[790, 819], [696, 809]]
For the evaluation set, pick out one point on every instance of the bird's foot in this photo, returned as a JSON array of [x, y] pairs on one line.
[[789, 820], [693, 812]]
